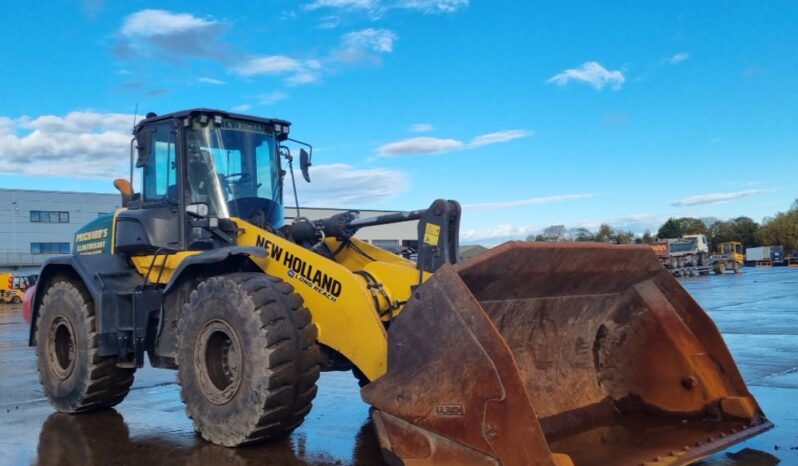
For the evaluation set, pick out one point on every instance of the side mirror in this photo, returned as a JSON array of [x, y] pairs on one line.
[[143, 147], [304, 164], [198, 209]]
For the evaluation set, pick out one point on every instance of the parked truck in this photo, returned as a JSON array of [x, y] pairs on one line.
[[689, 256], [765, 256]]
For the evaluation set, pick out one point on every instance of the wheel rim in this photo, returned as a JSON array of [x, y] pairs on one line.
[[61, 348], [218, 362]]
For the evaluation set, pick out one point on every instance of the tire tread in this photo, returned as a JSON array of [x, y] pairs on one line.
[[107, 384], [291, 353]]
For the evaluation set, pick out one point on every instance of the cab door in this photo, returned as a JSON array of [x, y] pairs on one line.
[[153, 222]]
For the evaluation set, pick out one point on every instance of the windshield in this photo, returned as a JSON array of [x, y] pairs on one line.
[[233, 161]]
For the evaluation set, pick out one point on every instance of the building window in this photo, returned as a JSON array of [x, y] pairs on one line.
[[47, 216], [49, 248]]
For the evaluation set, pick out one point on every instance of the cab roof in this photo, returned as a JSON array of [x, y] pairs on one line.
[[210, 111]]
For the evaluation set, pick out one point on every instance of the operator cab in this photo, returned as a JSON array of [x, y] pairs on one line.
[[194, 170]]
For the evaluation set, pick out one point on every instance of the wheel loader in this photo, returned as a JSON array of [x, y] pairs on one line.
[[12, 289], [527, 354]]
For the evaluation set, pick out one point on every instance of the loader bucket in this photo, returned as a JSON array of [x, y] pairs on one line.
[[557, 354]]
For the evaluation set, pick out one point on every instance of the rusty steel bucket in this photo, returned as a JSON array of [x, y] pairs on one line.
[[558, 354]]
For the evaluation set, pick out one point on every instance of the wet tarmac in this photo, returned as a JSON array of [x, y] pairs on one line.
[[756, 311]]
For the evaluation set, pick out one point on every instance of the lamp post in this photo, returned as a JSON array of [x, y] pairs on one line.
[[14, 225]]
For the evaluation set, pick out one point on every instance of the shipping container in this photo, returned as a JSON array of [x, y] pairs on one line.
[[757, 254]]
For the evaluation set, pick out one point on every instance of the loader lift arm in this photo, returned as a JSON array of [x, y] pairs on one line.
[[438, 231]]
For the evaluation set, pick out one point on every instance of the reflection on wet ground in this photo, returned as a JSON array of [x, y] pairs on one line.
[[104, 438], [757, 312]]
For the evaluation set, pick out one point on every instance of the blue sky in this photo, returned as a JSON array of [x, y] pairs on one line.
[[528, 113]]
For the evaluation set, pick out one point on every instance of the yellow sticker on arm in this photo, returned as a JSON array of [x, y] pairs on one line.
[[431, 234]]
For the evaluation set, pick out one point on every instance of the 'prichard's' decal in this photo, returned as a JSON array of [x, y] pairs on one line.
[[315, 279], [86, 242]]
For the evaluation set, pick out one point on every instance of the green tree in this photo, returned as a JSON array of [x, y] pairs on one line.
[[692, 226], [742, 229], [581, 234], [647, 239], [745, 229], [550, 233], [780, 230], [670, 229], [623, 237], [555, 233], [605, 234]]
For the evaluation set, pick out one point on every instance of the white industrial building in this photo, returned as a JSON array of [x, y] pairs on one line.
[[37, 224]]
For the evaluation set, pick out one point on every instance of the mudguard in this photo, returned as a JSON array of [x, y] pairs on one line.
[[103, 275]]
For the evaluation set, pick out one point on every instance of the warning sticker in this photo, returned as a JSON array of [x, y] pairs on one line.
[[431, 234]]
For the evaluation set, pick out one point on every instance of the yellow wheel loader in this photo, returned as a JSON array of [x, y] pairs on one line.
[[12, 289], [528, 354]]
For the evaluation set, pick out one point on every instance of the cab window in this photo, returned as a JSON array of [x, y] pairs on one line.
[[160, 172]]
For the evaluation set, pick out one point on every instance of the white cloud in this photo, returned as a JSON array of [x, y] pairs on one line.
[[149, 23], [524, 202], [298, 71], [241, 108], [377, 40], [366, 45], [271, 97], [344, 4], [161, 32], [420, 145], [430, 145], [330, 22], [176, 38], [591, 73], [337, 185], [376, 8], [207, 80], [272, 64], [421, 127], [81, 144], [501, 231], [712, 198], [433, 6], [678, 58], [499, 136], [304, 77]]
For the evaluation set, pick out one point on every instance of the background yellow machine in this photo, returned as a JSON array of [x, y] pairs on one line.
[[12, 288], [735, 251], [521, 356]]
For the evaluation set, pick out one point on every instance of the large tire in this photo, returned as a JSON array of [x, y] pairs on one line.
[[73, 375], [16, 300], [248, 359]]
